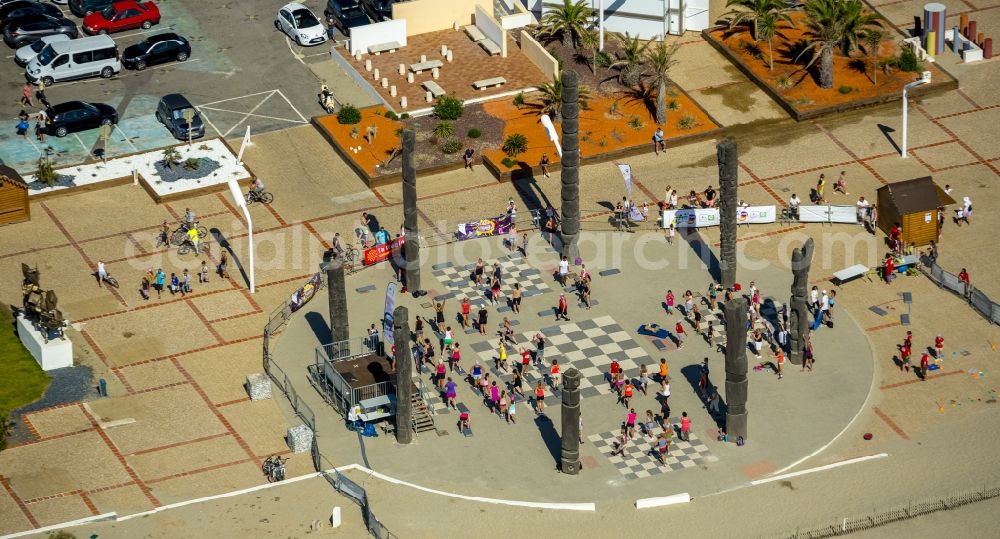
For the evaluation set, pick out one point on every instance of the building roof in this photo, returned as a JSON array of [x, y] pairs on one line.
[[916, 195], [12, 175]]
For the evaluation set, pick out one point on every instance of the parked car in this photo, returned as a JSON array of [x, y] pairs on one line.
[[170, 112], [23, 8], [122, 16], [378, 10], [156, 49], [27, 30], [76, 116], [82, 8], [345, 14], [298, 23], [27, 53], [76, 59]]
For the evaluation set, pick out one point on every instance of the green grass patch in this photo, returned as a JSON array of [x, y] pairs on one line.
[[24, 381]]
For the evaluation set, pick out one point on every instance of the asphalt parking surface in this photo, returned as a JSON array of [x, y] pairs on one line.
[[242, 72]]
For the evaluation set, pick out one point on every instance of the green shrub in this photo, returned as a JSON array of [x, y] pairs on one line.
[[475, 133], [508, 162], [444, 130], [451, 146], [519, 99], [784, 82], [673, 105], [448, 108], [348, 114], [636, 123], [515, 144], [603, 59], [191, 163], [687, 122], [392, 115], [908, 60], [844, 89], [404, 116]]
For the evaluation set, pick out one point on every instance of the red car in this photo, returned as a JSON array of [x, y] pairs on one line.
[[122, 16]]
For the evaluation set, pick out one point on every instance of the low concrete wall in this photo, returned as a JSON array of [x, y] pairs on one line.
[[539, 56], [424, 16], [491, 29], [363, 37]]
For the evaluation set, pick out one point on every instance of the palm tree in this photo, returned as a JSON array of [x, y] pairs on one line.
[[767, 28], [753, 11], [828, 23], [630, 59], [660, 58], [857, 21], [873, 40], [567, 22], [590, 40], [550, 97]]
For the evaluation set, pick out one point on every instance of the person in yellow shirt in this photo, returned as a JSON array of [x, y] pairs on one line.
[[502, 356], [192, 235]]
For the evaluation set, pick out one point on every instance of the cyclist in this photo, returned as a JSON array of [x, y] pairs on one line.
[[192, 235], [102, 273], [256, 189], [338, 246]]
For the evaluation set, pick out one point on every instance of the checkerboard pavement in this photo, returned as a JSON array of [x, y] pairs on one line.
[[717, 321], [639, 461], [588, 345], [460, 284]]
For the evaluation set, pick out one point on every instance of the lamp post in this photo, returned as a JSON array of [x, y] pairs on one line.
[[241, 203], [600, 26], [550, 129], [925, 77]]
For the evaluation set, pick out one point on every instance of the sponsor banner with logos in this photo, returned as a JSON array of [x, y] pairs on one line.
[[380, 253], [304, 294], [705, 217], [494, 226], [828, 214]]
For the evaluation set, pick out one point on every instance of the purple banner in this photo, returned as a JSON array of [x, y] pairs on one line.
[[494, 226]]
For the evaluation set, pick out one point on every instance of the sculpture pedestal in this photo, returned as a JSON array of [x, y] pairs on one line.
[[55, 354]]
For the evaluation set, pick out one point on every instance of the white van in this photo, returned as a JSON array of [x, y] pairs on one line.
[[75, 59]]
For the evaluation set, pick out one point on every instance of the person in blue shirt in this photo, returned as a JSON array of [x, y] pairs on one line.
[[160, 280]]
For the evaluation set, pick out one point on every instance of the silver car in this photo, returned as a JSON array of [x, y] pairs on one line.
[[26, 53]]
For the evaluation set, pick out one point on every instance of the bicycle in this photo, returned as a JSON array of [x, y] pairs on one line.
[[179, 236], [263, 197], [110, 280], [186, 247], [274, 468]]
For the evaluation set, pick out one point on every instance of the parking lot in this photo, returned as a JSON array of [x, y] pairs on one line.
[[242, 72]]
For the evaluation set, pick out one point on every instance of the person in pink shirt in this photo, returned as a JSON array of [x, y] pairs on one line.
[[630, 422], [670, 302], [685, 426], [441, 368], [495, 397]]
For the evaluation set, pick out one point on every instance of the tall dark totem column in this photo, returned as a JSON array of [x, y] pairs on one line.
[[337, 294], [404, 372], [798, 312], [570, 173], [411, 247], [735, 312], [569, 461], [728, 185]]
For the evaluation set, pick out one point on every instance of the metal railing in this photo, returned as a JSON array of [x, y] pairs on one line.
[[976, 298], [331, 384]]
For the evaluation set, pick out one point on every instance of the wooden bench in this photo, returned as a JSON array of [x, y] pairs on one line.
[[487, 83], [434, 88], [489, 46], [424, 66], [849, 274], [388, 46], [474, 34]]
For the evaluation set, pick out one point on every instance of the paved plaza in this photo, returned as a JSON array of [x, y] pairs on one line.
[[178, 424]]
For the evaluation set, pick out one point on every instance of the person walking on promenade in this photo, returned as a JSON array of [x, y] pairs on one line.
[[925, 360], [563, 309], [685, 427], [539, 398], [967, 284]]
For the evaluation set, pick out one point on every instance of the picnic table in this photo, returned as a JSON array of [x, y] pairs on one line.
[[424, 66]]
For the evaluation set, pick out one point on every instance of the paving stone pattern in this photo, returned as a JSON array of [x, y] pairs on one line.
[[460, 284], [640, 461]]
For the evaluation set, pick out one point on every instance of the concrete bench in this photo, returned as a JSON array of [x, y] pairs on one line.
[[489, 46], [487, 83], [434, 88], [379, 48], [474, 34], [424, 66], [851, 273]]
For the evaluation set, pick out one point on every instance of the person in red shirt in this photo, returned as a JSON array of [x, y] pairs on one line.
[[924, 360], [888, 269], [616, 371], [525, 359], [539, 398], [563, 308], [679, 330], [964, 277], [904, 356], [939, 347], [908, 341], [554, 374], [627, 395], [466, 309], [895, 238]]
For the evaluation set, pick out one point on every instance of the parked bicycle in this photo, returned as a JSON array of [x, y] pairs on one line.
[[274, 468], [263, 197], [111, 280]]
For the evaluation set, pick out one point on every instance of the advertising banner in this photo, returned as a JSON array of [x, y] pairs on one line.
[[494, 226], [304, 294], [380, 253], [627, 175], [756, 215], [691, 218], [390, 306], [828, 214]]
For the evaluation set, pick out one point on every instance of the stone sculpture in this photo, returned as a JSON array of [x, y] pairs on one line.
[[337, 296], [411, 247], [735, 313], [798, 312], [569, 461], [570, 173], [728, 184], [404, 371], [40, 306]]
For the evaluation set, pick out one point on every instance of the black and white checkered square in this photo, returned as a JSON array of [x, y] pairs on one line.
[[461, 284], [640, 460], [588, 345]]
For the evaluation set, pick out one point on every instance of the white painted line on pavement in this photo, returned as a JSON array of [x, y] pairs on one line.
[[126, 137], [282, 94], [235, 98], [205, 117], [291, 50], [662, 501], [819, 468], [254, 115], [54, 527], [247, 114], [82, 145]]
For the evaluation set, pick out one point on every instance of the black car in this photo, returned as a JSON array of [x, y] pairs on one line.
[[345, 14], [82, 8], [157, 49], [378, 10], [74, 116], [21, 8], [170, 112], [26, 30]]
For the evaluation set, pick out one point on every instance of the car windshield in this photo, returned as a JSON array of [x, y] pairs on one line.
[[144, 45], [109, 12], [46, 56], [37, 46], [304, 18], [178, 114]]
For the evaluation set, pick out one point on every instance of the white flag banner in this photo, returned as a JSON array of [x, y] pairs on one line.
[[627, 174]]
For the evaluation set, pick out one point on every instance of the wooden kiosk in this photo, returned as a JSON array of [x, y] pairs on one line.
[[13, 197], [915, 205]]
